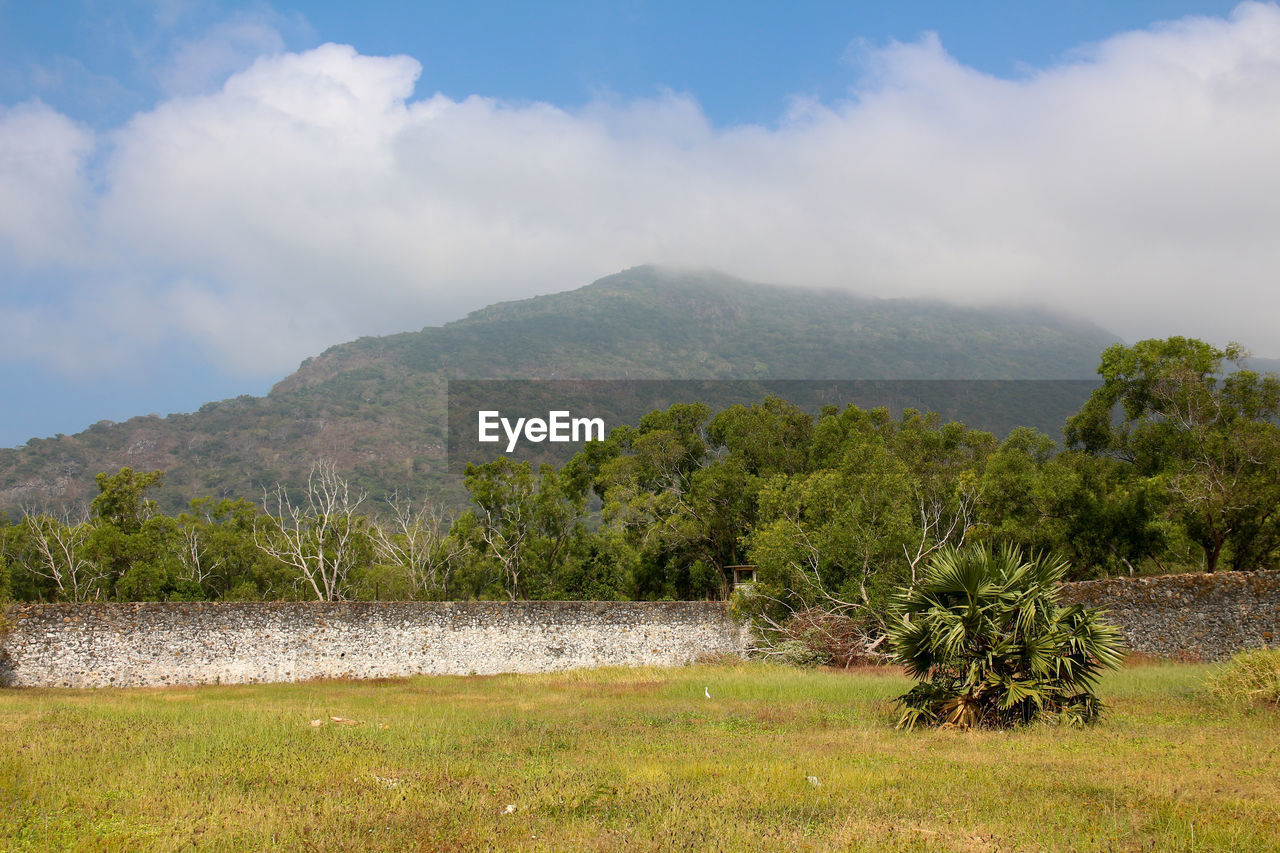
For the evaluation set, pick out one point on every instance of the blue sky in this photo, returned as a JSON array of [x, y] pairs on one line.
[[194, 196], [102, 61]]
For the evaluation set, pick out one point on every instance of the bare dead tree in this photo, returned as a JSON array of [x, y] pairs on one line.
[[197, 566], [942, 522], [418, 539], [317, 536], [58, 554], [504, 534]]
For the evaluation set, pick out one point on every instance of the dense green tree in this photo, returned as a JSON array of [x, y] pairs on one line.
[[1094, 510], [683, 488], [601, 568], [133, 548], [659, 493], [524, 527], [152, 555], [770, 437], [945, 459], [1207, 437], [216, 550], [832, 542], [122, 500], [6, 573], [834, 538]]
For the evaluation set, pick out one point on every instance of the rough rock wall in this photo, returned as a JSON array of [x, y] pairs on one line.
[[122, 645], [1189, 617]]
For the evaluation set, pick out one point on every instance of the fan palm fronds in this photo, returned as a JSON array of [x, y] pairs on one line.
[[984, 635]]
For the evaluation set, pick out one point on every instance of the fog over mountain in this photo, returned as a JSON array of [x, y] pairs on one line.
[[226, 232]]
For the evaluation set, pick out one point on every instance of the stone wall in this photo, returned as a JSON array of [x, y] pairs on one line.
[[1189, 617], [125, 645]]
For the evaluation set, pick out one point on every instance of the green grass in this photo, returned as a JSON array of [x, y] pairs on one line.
[[627, 760]]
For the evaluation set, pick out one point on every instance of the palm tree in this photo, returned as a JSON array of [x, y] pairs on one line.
[[983, 634]]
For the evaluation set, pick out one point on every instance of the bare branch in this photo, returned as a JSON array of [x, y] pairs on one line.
[[317, 536], [419, 541]]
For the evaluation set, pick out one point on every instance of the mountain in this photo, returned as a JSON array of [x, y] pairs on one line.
[[1263, 365], [377, 406]]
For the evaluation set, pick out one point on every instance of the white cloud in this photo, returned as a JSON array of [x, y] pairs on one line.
[[43, 196], [310, 199]]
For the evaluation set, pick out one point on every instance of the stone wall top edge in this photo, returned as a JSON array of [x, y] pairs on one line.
[[20, 610], [1265, 577]]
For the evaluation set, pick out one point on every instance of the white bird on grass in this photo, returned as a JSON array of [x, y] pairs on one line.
[[706, 691]]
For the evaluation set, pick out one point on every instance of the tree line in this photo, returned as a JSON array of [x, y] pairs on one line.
[[1173, 464]]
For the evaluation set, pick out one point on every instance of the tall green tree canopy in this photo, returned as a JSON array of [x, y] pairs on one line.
[[1205, 434]]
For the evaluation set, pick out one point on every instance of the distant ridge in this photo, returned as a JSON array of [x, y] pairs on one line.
[[376, 406]]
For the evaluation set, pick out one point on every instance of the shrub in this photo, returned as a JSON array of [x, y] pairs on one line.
[[794, 652], [1250, 677], [836, 639], [815, 637], [983, 634]]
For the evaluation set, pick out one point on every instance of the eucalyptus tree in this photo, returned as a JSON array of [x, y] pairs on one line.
[[1204, 433], [130, 540], [660, 495], [683, 487], [217, 551], [1095, 510], [879, 495], [525, 526]]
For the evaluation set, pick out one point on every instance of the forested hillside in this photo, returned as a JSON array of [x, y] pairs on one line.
[[835, 512], [376, 407]]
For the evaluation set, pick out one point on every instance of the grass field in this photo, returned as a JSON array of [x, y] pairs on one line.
[[627, 759]]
